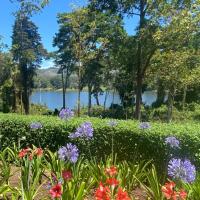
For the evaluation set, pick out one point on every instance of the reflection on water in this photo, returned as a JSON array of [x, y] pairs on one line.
[[53, 99]]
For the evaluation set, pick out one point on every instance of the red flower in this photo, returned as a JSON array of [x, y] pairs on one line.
[[67, 175], [111, 171], [168, 191], [183, 194], [56, 191], [38, 152], [122, 195], [23, 152], [112, 182], [102, 193], [174, 195]]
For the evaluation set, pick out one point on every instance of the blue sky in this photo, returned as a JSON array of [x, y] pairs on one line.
[[46, 21]]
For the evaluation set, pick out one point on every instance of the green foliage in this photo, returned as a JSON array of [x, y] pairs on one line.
[[27, 50], [37, 109], [153, 187], [129, 139]]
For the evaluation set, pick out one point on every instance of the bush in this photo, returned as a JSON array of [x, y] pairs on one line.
[[117, 112], [130, 142]]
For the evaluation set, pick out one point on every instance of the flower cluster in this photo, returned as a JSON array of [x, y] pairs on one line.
[[181, 170], [30, 153], [111, 190], [69, 152], [35, 125], [170, 193], [144, 125], [173, 142], [66, 113], [85, 130]]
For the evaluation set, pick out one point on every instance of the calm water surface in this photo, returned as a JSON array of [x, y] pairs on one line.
[[53, 99]]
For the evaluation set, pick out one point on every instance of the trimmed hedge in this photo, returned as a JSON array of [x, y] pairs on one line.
[[130, 142]]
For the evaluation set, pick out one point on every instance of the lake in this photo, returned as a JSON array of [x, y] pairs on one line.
[[53, 99]]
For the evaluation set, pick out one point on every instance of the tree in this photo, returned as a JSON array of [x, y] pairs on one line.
[[93, 77], [27, 50], [64, 57], [152, 15], [84, 36], [9, 82]]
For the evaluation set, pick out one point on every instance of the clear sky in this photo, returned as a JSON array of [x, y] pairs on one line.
[[46, 21]]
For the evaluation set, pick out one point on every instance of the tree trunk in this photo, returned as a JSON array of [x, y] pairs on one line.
[[21, 102], [25, 89], [138, 98], [170, 105], [89, 99], [105, 100], [14, 102], [79, 90], [160, 95], [140, 72], [63, 88], [25, 99], [97, 99], [184, 97]]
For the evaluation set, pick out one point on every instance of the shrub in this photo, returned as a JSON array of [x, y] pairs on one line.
[[130, 142]]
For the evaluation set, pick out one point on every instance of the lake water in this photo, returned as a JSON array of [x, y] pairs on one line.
[[53, 99]]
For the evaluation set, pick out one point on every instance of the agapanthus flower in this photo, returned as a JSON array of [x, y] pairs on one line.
[[85, 130], [66, 175], [102, 192], [35, 125], [144, 125], [182, 170], [66, 113], [111, 171], [69, 152], [172, 141], [112, 123], [56, 191], [122, 195]]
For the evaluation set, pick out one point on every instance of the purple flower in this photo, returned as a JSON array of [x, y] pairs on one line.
[[68, 152], [35, 125], [144, 125], [66, 113], [85, 130], [112, 123], [182, 170], [172, 141]]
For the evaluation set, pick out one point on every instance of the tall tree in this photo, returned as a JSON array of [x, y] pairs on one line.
[[27, 50], [85, 36], [151, 16]]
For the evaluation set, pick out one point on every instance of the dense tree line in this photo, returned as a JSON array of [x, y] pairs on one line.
[[162, 55]]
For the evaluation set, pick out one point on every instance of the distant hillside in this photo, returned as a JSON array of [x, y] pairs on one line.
[[49, 72], [50, 79]]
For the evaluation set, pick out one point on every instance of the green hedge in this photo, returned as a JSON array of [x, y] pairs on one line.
[[130, 142]]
